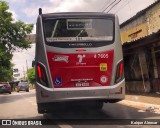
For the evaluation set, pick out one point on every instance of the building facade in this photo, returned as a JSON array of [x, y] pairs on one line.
[[31, 38], [16, 74], [141, 47]]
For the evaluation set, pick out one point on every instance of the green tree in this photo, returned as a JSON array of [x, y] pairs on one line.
[[31, 75], [12, 37]]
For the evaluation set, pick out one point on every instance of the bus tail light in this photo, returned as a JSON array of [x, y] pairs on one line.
[[41, 75], [119, 72]]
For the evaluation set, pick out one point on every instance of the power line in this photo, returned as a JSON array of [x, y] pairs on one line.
[[104, 6], [114, 5], [28, 54], [25, 52], [123, 5], [109, 6]]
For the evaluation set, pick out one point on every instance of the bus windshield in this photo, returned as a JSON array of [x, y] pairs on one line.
[[59, 30]]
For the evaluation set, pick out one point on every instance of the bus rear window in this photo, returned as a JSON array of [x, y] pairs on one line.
[[59, 30]]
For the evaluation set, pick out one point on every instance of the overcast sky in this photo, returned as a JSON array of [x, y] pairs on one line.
[[27, 11]]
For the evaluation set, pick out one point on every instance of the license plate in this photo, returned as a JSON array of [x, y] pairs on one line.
[[82, 84]]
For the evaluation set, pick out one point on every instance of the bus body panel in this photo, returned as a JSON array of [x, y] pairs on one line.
[[83, 70], [40, 50], [68, 69]]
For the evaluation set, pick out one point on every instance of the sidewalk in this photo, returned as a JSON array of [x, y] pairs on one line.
[[146, 102], [150, 98]]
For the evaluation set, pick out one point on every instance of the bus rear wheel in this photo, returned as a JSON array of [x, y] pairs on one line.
[[98, 105], [41, 108]]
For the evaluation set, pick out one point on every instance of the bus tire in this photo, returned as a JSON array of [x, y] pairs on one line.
[[114, 101], [98, 105], [40, 108]]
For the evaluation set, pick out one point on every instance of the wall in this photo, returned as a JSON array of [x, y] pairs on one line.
[[134, 33], [148, 23], [153, 19], [142, 26], [134, 23], [137, 86], [31, 38]]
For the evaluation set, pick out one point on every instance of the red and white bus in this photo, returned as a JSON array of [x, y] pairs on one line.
[[78, 59]]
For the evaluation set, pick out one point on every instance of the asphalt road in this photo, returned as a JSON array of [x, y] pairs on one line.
[[22, 105]]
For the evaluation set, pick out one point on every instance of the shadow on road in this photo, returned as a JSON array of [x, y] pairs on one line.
[[109, 111]]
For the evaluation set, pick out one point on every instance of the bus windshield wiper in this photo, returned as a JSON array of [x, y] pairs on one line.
[[79, 33]]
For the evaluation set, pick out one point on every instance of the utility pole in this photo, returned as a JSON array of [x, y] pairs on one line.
[[26, 66], [23, 73], [26, 70]]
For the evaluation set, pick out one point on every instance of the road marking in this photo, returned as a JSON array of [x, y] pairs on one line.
[[63, 125]]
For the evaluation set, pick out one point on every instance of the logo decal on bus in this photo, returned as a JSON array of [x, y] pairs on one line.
[[103, 79], [80, 57], [58, 81], [103, 66], [61, 58]]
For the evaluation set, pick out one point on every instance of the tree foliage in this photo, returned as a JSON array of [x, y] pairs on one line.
[[12, 36], [31, 75]]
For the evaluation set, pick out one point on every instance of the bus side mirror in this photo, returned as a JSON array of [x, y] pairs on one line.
[[33, 63]]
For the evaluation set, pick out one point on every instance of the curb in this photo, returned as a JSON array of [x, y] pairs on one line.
[[143, 106]]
